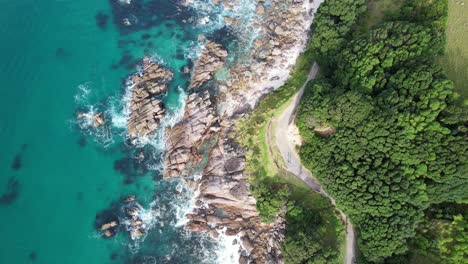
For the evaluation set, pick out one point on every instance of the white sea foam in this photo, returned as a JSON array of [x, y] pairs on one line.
[[189, 205], [211, 17], [87, 115], [119, 110], [125, 2], [228, 249], [84, 91]]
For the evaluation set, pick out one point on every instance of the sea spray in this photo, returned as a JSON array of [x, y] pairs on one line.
[[119, 110], [87, 114], [228, 248]]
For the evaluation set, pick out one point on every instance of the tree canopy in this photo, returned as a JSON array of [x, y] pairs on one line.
[[401, 131]]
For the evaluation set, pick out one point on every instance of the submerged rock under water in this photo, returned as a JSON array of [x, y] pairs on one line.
[[11, 193]]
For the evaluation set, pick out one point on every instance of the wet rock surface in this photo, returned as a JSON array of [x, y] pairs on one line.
[[146, 107], [211, 60], [124, 216], [184, 140], [282, 33]]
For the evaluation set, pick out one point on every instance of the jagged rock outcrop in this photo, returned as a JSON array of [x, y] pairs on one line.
[[225, 203], [201, 143], [146, 109], [183, 140], [210, 61]]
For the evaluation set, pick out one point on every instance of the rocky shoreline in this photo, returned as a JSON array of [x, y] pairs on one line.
[[281, 35], [203, 143]]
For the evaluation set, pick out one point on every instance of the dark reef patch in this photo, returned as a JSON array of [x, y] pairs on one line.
[[32, 256], [180, 57], [101, 20], [114, 256], [140, 14], [126, 61], [145, 36], [131, 168], [60, 53], [107, 215], [16, 164], [11, 192], [82, 141], [224, 36]]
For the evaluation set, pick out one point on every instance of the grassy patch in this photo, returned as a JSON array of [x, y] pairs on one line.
[[455, 60]]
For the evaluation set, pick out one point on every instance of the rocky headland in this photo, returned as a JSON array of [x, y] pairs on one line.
[[203, 143]]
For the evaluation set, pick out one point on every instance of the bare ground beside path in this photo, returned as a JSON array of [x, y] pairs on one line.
[[286, 142]]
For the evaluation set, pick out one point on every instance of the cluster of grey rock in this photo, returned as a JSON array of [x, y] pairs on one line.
[[282, 32], [131, 222], [210, 61], [146, 107]]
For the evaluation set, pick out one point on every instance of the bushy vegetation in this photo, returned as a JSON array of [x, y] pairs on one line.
[[313, 232], [401, 136], [333, 23]]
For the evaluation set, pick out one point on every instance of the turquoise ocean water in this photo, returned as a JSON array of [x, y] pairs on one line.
[[59, 57]]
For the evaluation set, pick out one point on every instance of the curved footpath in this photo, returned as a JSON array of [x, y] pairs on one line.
[[286, 145]]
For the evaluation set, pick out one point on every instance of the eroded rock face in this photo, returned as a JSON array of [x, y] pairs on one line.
[[185, 139], [211, 60], [146, 109]]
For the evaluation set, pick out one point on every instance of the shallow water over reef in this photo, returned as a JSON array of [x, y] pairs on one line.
[[58, 179]]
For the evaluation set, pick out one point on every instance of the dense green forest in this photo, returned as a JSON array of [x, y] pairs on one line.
[[400, 144]]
